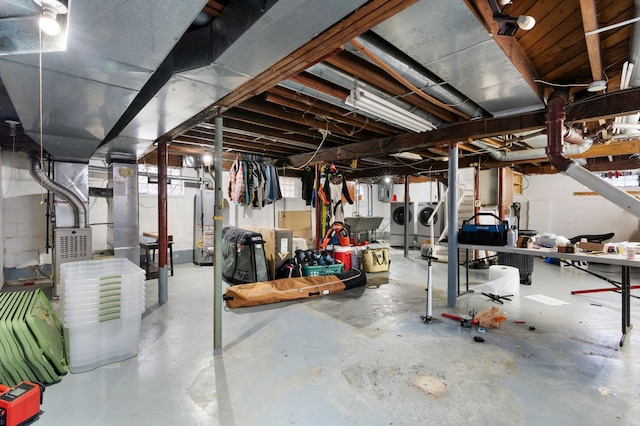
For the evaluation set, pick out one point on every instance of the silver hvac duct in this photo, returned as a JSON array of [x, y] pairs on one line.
[[430, 84], [79, 209], [555, 121]]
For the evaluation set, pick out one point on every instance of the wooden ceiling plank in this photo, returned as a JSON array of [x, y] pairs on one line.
[[309, 122], [326, 107], [338, 116], [590, 23]]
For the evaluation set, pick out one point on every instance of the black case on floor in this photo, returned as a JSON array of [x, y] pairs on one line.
[[523, 262]]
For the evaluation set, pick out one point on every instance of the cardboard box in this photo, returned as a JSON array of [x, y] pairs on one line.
[[299, 221], [278, 245], [590, 246], [566, 248]]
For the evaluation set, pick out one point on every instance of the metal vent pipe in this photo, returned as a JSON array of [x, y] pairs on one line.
[[555, 124], [79, 209]]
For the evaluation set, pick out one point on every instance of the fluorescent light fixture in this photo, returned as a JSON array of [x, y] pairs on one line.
[[597, 86], [407, 156], [378, 107], [50, 10]]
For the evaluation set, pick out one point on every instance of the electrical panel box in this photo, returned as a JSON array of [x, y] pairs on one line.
[[385, 189]]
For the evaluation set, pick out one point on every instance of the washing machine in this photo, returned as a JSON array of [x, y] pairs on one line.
[[423, 230], [396, 229]]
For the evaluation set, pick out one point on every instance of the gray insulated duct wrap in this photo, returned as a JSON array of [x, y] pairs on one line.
[[79, 209]]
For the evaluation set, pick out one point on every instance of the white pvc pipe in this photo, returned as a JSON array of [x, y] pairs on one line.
[[537, 153], [605, 189]]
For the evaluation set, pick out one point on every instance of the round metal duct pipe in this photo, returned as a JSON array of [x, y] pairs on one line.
[[79, 209]]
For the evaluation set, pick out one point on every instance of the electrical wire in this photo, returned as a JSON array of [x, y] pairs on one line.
[[41, 119], [548, 83]]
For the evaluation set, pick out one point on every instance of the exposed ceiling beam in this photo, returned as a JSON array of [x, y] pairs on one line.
[[509, 45], [602, 106], [590, 23], [361, 20]]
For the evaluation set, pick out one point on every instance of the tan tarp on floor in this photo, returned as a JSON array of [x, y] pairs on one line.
[[265, 292]]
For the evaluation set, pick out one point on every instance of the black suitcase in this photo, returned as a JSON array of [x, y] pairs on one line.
[[523, 262]]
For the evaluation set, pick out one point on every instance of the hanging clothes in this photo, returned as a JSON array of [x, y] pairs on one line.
[[308, 179], [236, 190], [253, 184], [333, 190]]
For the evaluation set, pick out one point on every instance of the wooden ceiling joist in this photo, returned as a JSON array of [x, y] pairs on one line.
[[361, 20], [605, 106]]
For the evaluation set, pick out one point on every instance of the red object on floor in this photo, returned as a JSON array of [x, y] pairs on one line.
[[598, 290], [343, 255]]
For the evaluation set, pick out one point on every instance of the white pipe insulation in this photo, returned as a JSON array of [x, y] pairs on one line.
[[604, 188], [534, 153]]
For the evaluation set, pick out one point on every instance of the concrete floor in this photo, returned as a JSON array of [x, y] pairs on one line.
[[364, 357]]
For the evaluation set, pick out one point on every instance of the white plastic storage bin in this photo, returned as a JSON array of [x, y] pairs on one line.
[[101, 303], [96, 344]]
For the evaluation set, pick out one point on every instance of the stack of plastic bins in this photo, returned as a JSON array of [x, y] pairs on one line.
[[102, 302]]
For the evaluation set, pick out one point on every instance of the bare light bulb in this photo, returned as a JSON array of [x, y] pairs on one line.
[[48, 23], [207, 159], [526, 22]]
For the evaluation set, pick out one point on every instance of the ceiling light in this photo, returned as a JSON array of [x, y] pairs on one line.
[[508, 25], [207, 158], [378, 107], [50, 10], [407, 156], [526, 22], [597, 86]]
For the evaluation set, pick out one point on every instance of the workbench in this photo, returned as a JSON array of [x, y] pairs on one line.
[[597, 257], [149, 245]]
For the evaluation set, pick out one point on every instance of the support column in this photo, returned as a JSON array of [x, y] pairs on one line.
[[407, 218], [163, 235], [452, 232], [217, 246]]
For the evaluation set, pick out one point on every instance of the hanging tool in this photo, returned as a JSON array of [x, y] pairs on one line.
[[497, 298]]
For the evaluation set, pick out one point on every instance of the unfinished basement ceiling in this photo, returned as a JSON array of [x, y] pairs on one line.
[[280, 71]]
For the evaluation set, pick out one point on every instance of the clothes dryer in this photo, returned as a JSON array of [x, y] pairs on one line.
[[398, 216], [423, 229]]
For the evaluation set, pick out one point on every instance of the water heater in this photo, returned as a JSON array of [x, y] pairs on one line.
[[203, 227]]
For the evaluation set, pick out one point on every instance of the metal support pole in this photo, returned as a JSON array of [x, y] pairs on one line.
[[163, 236], [452, 276], [217, 246], [407, 216]]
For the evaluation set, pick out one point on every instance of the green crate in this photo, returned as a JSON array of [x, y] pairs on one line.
[[314, 271]]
